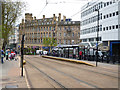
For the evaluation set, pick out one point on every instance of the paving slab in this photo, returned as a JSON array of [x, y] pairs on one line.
[[10, 74]]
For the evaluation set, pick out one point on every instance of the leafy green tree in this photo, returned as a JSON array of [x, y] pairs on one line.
[[11, 11], [49, 42]]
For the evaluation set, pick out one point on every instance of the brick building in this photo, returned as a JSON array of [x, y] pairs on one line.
[[64, 31]]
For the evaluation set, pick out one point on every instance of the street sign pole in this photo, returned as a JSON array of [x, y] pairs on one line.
[[22, 49]]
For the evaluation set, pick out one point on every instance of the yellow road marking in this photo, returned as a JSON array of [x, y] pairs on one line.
[[65, 59]]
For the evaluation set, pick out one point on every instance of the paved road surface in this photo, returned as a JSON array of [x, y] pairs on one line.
[[49, 73]]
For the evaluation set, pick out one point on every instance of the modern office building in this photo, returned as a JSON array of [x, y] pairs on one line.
[[109, 24], [36, 30]]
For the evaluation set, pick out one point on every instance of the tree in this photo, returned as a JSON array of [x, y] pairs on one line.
[[49, 42], [11, 11]]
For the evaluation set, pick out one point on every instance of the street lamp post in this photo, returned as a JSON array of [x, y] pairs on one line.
[[22, 50], [97, 34]]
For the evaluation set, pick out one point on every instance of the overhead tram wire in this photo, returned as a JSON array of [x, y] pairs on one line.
[[46, 6], [78, 11], [61, 2], [42, 9]]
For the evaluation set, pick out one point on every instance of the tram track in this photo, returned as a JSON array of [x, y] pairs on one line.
[[65, 74], [105, 69], [64, 88], [85, 69]]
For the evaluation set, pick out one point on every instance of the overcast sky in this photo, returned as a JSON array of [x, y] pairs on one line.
[[69, 8]]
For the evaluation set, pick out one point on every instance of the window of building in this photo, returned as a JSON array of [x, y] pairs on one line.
[[96, 29], [68, 42], [44, 34], [64, 28], [117, 13], [64, 41], [113, 27], [113, 14], [110, 2], [100, 27], [99, 39], [116, 26], [106, 28], [60, 34], [91, 39], [47, 28], [41, 34], [113, 1], [104, 4], [54, 28], [109, 27], [64, 34], [54, 34], [73, 34], [107, 15], [107, 3], [84, 40], [104, 16], [101, 15], [72, 28], [110, 15], [101, 5], [44, 28], [60, 28], [59, 41], [41, 40], [78, 34], [49, 34]]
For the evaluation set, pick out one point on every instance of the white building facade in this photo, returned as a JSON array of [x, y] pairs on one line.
[[109, 24]]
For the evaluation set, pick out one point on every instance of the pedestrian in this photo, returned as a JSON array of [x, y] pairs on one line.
[[2, 56], [9, 55], [80, 55], [15, 52], [6, 54]]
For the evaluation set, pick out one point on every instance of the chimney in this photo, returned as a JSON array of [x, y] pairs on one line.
[[43, 16], [54, 17], [28, 16], [22, 20], [64, 18], [59, 18], [34, 17]]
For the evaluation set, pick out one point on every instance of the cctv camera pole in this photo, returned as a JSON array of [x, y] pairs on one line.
[[22, 49]]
